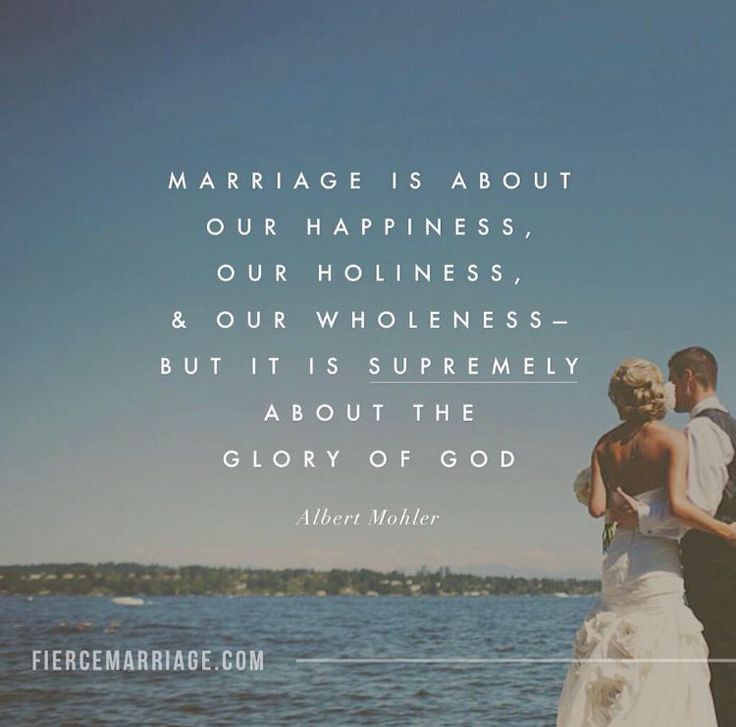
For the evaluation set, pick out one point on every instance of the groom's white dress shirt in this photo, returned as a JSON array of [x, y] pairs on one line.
[[710, 452]]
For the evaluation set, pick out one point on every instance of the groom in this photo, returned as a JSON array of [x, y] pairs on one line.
[[709, 563]]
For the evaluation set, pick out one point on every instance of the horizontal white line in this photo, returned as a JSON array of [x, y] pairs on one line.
[[559, 323], [420, 381], [520, 660]]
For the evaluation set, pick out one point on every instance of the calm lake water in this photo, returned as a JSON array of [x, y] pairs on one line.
[[287, 629]]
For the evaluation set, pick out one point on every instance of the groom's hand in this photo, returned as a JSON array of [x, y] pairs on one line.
[[624, 511]]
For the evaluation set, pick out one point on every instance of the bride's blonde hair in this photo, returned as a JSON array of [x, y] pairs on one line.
[[637, 390]]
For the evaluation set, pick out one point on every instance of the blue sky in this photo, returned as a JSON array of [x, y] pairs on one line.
[[102, 459]]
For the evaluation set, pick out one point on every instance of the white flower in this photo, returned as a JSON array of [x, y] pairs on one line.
[[581, 486], [669, 396]]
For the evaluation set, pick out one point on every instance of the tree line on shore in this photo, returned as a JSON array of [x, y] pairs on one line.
[[129, 579]]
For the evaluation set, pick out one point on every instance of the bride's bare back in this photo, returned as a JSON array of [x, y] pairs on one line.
[[635, 456]]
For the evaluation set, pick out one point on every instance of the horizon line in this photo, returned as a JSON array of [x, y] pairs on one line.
[[415, 570]]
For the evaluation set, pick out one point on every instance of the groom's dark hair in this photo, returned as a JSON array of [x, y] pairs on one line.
[[700, 361]]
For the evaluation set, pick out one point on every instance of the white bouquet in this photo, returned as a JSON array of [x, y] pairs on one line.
[[581, 486]]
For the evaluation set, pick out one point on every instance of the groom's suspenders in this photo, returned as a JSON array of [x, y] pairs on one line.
[[727, 508]]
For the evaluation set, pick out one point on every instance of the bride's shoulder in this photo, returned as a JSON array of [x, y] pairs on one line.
[[666, 434], [655, 432], [610, 436]]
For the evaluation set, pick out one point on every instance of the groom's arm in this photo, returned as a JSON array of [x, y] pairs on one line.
[[656, 519], [710, 451]]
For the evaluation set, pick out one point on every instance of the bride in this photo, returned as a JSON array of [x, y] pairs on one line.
[[640, 659]]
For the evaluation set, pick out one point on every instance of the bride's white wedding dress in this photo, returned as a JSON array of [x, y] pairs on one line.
[[642, 615]]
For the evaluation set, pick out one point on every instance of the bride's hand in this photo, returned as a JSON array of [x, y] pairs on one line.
[[731, 539]]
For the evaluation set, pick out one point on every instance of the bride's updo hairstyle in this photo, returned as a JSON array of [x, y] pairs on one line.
[[637, 390]]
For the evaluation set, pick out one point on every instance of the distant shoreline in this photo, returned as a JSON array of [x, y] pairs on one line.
[[134, 579]]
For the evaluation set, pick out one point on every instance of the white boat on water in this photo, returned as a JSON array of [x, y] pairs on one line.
[[562, 595], [128, 601]]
